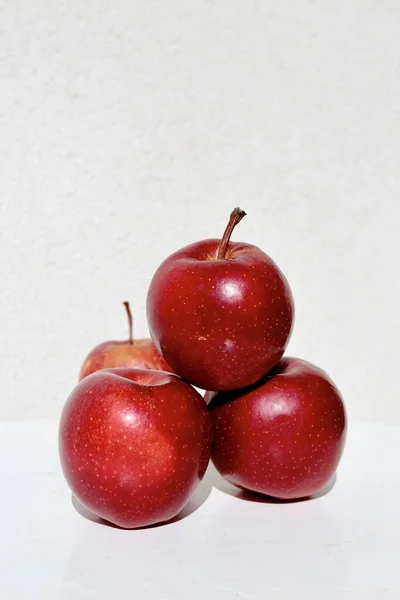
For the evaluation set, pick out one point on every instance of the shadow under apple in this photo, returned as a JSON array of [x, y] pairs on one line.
[[212, 479]]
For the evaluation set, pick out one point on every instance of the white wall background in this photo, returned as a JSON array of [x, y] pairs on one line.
[[128, 129]]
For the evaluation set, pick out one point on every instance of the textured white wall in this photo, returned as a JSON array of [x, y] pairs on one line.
[[128, 129]]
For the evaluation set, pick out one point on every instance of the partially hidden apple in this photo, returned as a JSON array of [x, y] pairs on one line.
[[139, 354], [220, 312], [282, 437], [134, 444]]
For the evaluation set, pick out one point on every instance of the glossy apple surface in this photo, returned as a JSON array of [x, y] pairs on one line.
[[282, 437], [221, 323], [131, 353], [138, 354], [134, 444]]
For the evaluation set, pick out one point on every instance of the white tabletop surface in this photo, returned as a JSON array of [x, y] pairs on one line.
[[344, 544]]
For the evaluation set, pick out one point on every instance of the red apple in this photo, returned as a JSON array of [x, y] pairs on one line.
[[220, 312], [283, 436], [139, 354], [134, 444]]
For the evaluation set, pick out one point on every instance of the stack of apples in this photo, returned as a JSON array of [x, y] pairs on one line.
[[136, 437]]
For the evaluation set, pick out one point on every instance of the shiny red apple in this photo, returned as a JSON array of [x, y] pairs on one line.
[[139, 354], [283, 436], [134, 444], [220, 312]]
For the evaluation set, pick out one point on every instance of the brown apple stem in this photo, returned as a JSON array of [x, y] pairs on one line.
[[130, 321], [236, 216]]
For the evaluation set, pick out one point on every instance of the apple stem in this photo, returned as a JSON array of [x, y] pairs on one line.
[[236, 216], [130, 321]]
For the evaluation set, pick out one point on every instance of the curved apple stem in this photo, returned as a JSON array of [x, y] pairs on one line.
[[130, 321], [236, 216]]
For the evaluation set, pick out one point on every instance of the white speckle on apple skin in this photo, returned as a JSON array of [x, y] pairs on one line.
[[220, 324], [134, 453], [282, 437]]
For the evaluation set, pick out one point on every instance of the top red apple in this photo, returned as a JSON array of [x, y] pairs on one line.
[[220, 312], [138, 354]]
